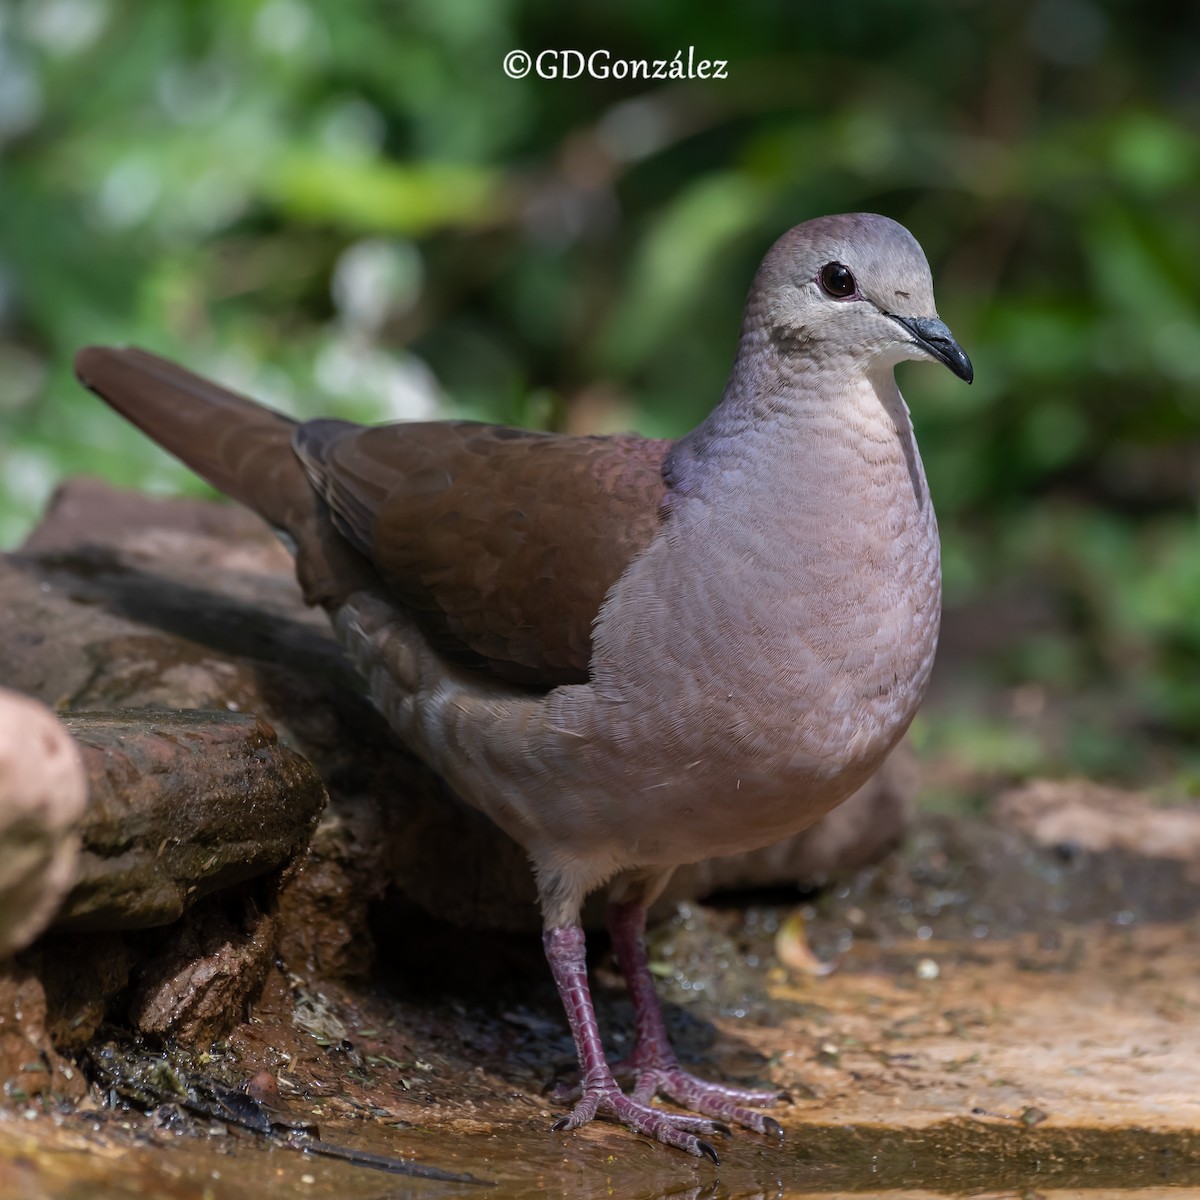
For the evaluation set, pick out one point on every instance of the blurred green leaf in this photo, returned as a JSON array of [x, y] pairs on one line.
[[373, 196], [673, 261]]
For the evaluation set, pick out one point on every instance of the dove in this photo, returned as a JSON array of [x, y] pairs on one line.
[[629, 653]]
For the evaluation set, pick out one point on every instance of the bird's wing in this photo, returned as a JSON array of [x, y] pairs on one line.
[[504, 541]]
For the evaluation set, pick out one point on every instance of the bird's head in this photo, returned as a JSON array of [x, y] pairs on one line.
[[855, 286]]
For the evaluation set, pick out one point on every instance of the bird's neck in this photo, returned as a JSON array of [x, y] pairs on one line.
[[809, 422]]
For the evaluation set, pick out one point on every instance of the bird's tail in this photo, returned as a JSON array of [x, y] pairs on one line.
[[242, 448]]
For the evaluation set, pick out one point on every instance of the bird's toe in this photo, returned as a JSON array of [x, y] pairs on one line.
[[738, 1106], [682, 1130]]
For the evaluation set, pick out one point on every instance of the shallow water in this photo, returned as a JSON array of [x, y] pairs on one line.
[[124, 1159]]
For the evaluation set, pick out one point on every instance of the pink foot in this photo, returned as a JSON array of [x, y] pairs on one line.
[[656, 1070], [601, 1096], [732, 1104], [672, 1129]]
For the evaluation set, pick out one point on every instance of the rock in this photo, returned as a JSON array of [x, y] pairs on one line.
[[182, 804], [200, 983], [43, 791], [1079, 815]]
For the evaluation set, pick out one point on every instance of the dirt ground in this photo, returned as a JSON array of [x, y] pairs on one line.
[[994, 1031]]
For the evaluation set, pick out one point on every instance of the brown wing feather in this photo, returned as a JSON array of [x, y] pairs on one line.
[[505, 540]]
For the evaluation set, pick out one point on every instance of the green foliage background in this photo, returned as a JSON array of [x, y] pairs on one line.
[[347, 207]]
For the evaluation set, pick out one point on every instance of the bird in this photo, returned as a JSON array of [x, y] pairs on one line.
[[629, 653]]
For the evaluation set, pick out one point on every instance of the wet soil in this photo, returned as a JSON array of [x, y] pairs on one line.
[[1002, 1017]]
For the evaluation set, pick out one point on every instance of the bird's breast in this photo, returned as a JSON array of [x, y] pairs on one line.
[[787, 627]]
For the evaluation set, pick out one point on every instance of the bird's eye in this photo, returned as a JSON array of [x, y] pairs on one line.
[[837, 281]]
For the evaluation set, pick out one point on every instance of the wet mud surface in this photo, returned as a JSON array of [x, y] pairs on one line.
[[1000, 1018]]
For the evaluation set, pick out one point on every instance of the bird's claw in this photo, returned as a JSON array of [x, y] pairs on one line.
[[715, 1100], [672, 1129]]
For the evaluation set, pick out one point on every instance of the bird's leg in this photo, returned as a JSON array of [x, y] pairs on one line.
[[601, 1095], [653, 1062]]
